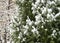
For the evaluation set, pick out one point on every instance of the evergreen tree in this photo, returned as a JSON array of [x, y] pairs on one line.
[[38, 22]]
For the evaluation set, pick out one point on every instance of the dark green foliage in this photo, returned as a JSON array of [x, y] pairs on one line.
[[45, 29]]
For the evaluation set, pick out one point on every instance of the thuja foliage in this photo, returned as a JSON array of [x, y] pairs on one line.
[[38, 21]]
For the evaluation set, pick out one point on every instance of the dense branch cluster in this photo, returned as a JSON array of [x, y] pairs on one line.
[[38, 22]]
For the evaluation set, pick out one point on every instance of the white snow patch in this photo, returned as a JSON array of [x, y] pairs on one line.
[[57, 15], [34, 30], [29, 22]]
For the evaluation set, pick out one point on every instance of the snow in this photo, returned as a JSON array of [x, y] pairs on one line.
[[48, 16], [43, 10], [37, 22], [19, 36], [22, 1], [49, 2], [37, 2], [54, 31], [49, 10], [34, 11], [42, 26], [34, 30], [43, 1], [52, 34], [38, 17], [52, 2], [58, 14], [23, 39], [25, 31], [55, 0], [38, 7], [46, 29], [26, 27], [34, 6], [28, 21]]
